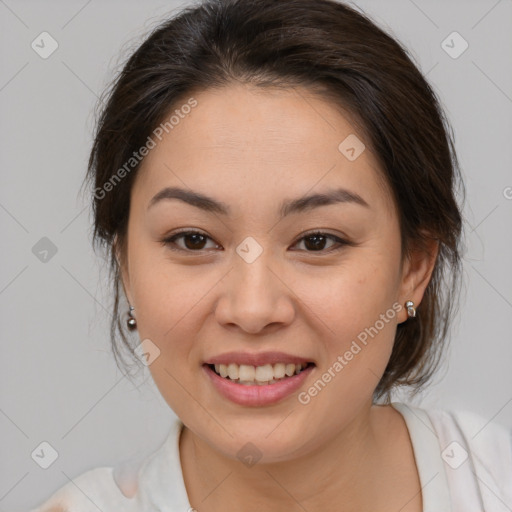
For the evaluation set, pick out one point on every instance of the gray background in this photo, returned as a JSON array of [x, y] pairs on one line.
[[59, 382]]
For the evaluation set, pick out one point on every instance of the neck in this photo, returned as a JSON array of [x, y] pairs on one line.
[[342, 471]]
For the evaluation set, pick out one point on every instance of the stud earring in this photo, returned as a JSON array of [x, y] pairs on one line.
[[131, 322], [411, 310]]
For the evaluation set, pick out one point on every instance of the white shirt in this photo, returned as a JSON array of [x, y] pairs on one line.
[[464, 464]]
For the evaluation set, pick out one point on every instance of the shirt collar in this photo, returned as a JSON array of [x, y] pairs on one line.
[[427, 454]]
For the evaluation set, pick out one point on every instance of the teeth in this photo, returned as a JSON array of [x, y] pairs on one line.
[[233, 371], [247, 374], [222, 369], [264, 373], [279, 371]]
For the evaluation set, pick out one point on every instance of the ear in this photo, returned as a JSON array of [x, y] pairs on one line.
[[123, 268], [416, 272]]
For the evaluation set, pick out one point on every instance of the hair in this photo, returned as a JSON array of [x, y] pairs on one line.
[[339, 54]]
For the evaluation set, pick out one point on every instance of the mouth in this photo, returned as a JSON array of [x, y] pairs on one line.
[[257, 386], [268, 374]]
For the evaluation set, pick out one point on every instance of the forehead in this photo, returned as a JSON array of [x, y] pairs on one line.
[[245, 142]]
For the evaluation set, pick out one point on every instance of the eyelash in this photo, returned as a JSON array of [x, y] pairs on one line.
[[170, 240]]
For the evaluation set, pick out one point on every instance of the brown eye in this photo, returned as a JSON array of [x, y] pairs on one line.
[[316, 242], [195, 241], [192, 241]]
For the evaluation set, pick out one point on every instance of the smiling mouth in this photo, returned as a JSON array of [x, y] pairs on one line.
[[248, 375]]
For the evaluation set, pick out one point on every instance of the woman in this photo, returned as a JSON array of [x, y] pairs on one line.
[[275, 183]]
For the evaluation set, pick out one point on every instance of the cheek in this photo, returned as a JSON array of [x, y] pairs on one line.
[[165, 294], [355, 295], [359, 314], [358, 331]]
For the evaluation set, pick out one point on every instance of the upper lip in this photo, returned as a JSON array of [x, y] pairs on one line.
[[257, 359]]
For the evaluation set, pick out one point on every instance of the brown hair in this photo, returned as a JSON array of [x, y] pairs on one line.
[[339, 53]]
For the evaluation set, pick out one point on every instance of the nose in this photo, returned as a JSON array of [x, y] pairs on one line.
[[255, 297]]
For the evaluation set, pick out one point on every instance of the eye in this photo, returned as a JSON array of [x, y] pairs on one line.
[[195, 241], [317, 240]]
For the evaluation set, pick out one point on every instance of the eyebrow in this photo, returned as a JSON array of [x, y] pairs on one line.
[[301, 204]]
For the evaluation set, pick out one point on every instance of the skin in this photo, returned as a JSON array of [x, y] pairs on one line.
[[251, 149]]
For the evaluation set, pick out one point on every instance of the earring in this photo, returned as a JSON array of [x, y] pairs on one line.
[[131, 322], [411, 310]]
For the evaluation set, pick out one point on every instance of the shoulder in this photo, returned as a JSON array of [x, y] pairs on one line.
[[475, 452], [135, 484], [474, 430], [483, 439], [92, 490]]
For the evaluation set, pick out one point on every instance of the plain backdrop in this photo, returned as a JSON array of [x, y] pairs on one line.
[[59, 382]]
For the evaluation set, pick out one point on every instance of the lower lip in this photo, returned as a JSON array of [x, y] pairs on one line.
[[257, 395]]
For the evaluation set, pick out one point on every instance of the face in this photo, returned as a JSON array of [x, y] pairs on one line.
[[253, 278]]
